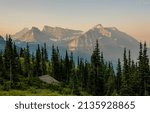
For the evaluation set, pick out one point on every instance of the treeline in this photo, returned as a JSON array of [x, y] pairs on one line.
[[96, 77]]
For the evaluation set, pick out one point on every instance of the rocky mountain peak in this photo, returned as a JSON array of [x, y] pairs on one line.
[[45, 28], [35, 29], [113, 28], [99, 29], [21, 33], [98, 26]]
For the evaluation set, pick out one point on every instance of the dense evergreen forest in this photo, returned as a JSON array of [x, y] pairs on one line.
[[20, 70]]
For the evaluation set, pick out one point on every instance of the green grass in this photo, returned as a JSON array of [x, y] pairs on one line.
[[35, 92], [39, 92], [36, 87]]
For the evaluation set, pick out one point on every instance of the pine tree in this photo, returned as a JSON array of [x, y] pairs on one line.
[[110, 82], [119, 76], [8, 55], [15, 51], [74, 82], [97, 75], [44, 60], [146, 69], [20, 67], [125, 86], [62, 71], [27, 65], [140, 68], [91, 81], [85, 75], [81, 74], [55, 63], [72, 64], [2, 71], [67, 67], [38, 62], [53, 60], [10, 62], [129, 61], [134, 79], [45, 52], [15, 62], [21, 54]]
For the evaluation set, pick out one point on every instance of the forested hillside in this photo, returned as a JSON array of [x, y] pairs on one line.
[[20, 71]]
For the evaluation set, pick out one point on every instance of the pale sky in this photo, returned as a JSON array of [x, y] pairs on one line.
[[130, 16]]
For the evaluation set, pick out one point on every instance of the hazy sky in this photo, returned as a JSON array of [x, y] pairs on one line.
[[131, 16]]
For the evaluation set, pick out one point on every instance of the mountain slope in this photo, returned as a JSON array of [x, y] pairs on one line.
[[46, 35], [32, 35], [20, 34], [2, 43], [112, 42], [59, 33]]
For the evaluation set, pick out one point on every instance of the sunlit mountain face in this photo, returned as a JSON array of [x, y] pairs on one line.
[[111, 40]]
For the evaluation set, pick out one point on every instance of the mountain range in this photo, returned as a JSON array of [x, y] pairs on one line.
[[111, 40], [48, 34]]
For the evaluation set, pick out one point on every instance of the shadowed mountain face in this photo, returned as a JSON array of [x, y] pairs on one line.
[[2, 43], [1, 39], [111, 40]]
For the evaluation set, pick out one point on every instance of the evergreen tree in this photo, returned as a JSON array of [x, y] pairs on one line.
[[55, 63], [134, 79], [8, 55], [67, 67], [146, 70], [97, 75], [27, 65], [119, 76], [85, 75], [62, 70], [91, 81], [45, 52], [15, 51], [44, 60], [74, 82], [110, 82], [10, 62], [2, 71], [81, 74], [38, 62], [21, 52], [15, 62], [125, 86], [140, 68], [20, 67]]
